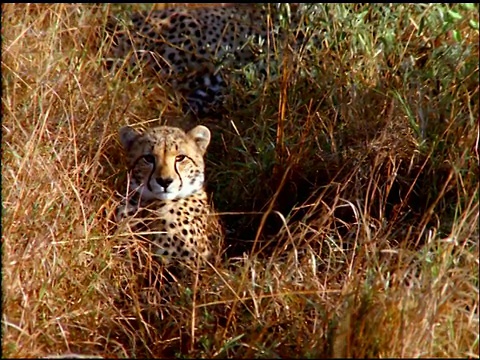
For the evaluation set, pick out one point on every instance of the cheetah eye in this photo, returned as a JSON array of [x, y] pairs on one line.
[[180, 158], [149, 158]]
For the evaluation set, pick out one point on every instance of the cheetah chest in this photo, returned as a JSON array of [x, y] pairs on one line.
[[179, 228]]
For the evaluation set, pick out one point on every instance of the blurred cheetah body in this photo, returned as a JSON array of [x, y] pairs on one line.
[[190, 45]]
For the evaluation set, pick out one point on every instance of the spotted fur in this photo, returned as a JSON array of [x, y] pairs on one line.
[[167, 175], [190, 45]]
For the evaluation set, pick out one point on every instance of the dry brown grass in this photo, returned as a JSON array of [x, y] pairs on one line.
[[363, 170]]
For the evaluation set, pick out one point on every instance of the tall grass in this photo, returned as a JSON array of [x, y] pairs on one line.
[[347, 182]]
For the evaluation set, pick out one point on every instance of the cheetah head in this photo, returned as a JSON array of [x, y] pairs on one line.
[[166, 162]]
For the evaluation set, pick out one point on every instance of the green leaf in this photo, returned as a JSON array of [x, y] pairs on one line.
[[457, 36], [454, 15], [468, 6], [473, 24]]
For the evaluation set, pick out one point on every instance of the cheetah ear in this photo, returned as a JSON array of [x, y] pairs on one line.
[[127, 136], [201, 135]]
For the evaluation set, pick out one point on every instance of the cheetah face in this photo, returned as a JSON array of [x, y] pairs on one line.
[[166, 162]]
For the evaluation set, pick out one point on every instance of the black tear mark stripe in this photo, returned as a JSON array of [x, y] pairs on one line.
[[150, 176], [178, 173]]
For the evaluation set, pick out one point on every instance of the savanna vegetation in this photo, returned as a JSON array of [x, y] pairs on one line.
[[347, 182]]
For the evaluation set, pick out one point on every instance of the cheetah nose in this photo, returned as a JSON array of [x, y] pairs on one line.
[[164, 182]]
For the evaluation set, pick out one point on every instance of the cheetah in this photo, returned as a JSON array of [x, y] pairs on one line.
[[167, 176], [191, 45]]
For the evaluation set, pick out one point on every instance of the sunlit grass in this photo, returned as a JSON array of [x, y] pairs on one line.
[[347, 181]]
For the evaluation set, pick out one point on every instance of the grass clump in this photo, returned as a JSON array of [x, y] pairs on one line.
[[348, 183]]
